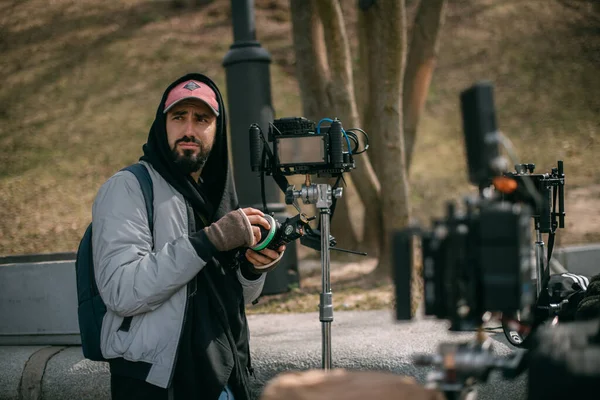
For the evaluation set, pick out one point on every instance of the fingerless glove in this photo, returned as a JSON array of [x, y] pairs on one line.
[[233, 230]]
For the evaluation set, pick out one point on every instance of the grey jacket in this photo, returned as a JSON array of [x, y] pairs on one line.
[[148, 282]]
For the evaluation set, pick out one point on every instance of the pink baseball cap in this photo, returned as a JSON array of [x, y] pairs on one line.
[[192, 90]]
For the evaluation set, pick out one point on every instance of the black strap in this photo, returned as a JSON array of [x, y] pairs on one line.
[[143, 176]]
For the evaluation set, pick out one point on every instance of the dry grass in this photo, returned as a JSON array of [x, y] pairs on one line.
[[82, 79], [353, 288]]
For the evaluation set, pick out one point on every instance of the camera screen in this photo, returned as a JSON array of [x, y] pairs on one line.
[[295, 150]]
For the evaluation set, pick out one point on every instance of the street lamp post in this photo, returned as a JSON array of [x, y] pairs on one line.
[[249, 101]]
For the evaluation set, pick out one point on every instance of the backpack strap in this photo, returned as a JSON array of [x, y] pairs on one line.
[[143, 176]]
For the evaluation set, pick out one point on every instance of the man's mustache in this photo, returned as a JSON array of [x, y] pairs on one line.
[[188, 139]]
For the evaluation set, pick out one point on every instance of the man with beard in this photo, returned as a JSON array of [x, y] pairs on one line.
[[175, 326]]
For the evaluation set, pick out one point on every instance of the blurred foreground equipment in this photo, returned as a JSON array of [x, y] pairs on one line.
[[347, 385]]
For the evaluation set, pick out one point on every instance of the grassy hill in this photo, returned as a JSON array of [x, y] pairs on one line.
[[82, 80]]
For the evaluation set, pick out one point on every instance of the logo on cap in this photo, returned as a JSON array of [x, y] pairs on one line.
[[191, 86]]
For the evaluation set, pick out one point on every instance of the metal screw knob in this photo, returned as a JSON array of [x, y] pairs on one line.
[[289, 195]]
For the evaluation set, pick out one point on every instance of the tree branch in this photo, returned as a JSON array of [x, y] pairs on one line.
[[341, 92], [311, 58], [419, 67]]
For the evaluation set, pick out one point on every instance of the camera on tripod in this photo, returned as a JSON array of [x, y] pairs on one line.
[[326, 157]]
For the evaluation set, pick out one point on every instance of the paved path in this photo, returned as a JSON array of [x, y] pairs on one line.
[[360, 340]]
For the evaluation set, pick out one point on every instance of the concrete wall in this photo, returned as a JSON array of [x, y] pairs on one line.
[[38, 303], [582, 260]]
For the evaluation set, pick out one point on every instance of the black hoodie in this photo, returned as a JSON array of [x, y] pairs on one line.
[[213, 349], [218, 195]]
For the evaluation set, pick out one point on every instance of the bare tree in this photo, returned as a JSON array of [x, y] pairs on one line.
[[311, 57], [324, 69], [384, 43], [323, 65]]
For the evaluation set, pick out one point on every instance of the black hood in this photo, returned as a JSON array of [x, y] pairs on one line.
[[216, 196]]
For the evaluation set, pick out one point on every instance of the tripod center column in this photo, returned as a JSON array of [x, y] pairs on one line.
[[324, 202]]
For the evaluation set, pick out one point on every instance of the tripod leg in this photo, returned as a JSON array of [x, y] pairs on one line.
[[326, 301]]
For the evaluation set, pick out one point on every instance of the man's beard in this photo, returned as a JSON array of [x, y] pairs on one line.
[[188, 162]]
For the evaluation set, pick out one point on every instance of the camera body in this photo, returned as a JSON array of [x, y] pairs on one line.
[[326, 158], [327, 153], [474, 262]]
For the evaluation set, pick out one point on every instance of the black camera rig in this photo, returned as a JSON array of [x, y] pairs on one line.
[[477, 263], [281, 234], [326, 158], [544, 194]]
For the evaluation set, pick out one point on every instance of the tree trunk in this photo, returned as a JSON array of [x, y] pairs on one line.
[[345, 227], [385, 24], [311, 58], [340, 90], [419, 67], [312, 71], [369, 49]]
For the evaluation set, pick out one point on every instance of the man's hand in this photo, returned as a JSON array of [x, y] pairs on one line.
[[256, 217], [237, 228], [264, 260], [263, 257]]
